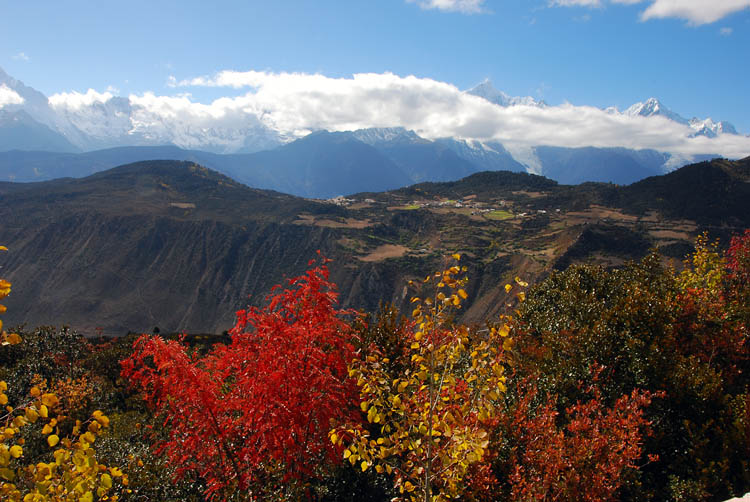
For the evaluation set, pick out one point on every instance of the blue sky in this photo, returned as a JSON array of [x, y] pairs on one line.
[[584, 52]]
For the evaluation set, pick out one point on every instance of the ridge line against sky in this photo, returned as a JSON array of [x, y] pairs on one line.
[[581, 56]]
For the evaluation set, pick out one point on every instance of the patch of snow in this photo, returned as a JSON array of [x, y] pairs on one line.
[[487, 91], [378, 135], [709, 128], [526, 155], [676, 161]]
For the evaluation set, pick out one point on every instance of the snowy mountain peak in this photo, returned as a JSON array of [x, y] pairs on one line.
[[707, 127], [487, 91], [97, 120], [378, 135], [701, 127], [94, 120], [726, 127], [4, 77], [7, 79], [653, 106]]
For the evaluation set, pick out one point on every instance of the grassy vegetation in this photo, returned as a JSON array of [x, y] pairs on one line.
[[498, 215]]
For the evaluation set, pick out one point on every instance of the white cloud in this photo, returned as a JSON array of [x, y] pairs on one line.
[[696, 12], [226, 78], [9, 97], [725, 31], [294, 103], [463, 6], [76, 100], [21, 57]]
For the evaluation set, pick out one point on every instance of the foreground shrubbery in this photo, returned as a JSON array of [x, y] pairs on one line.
[[627, 384], [253, 416], [47, 450], [678, 339]]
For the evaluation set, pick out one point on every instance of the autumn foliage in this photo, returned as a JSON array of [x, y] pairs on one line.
[[253, 416], [680, 337], [45, 456], [608, 377], [429, 423], [604, 384], [583, 453]]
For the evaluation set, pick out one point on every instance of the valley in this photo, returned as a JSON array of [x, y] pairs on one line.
[[178, 246]]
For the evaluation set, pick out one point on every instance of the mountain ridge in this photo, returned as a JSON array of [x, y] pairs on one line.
[[180, 246], [702, 127], [323, 165], [96, 121]]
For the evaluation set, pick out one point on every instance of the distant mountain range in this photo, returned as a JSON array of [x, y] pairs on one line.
[[702, 127], [40, 140], [179, 246], [324, 165]]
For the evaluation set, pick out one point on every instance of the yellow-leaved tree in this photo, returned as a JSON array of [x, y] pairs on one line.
[[5, 338], [68, 470], [429, 423], [705, 268]]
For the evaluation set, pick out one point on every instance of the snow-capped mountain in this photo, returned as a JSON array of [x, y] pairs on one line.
[[98, 124], [419, 158], [94, 121], [380, 135], [487, 91], [708, 127], [702, 127], [19, 131], [653, 107], [35, 112], [33, 102], [649, 108], [487, 156]]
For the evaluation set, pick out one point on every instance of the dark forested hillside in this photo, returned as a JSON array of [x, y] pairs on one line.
[[179, 246]]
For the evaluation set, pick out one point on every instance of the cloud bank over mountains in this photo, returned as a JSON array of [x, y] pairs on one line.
[[294, 104], [274, 108]]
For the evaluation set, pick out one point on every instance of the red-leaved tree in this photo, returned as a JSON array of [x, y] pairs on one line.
[[738, 279], [252, 417], [586, 459]]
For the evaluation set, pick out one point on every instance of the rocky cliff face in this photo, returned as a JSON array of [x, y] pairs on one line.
[[136, 272]]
